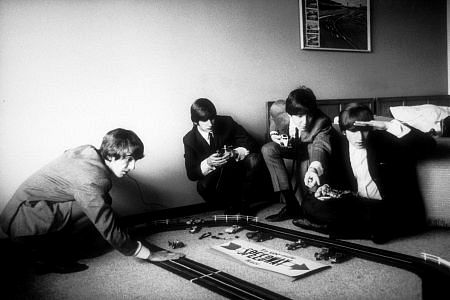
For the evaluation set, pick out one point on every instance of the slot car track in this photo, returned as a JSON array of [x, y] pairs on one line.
[[215, 280], [435, 277]]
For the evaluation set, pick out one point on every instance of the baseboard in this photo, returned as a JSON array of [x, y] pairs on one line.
[[169, 213]]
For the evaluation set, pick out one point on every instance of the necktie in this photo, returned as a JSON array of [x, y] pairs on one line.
[[212, 144]]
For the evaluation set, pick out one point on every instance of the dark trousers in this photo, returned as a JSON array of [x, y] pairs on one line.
[[356, 217], [349, 216], [234, 184], [75, 238]]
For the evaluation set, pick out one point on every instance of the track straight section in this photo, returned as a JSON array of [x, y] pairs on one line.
[[215, 280]]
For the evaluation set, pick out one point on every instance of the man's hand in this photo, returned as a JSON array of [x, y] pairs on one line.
[[216, 160], [241, 153], [311, 178], [377, 125], [164, 255], [322, 192], [275, 137]]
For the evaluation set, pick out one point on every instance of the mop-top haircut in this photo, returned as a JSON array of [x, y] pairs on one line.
[[119, 143], [354, 112], [203, 110], [301, 101]]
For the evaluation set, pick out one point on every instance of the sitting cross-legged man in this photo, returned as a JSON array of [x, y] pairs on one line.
[[223, 158], [68, 198], [374, 191], [299, 130]]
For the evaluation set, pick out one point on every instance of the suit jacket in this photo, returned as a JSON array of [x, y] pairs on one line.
[[316, 135], [392, 165], [226, 132], [43, 203]]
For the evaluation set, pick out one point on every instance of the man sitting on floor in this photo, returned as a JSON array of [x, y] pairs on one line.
[[377, 194], [226, 177], [61, 198]]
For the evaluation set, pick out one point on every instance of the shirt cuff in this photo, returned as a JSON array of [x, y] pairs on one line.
[[205, 168], [395, 127], [142, 252], [317, 166]]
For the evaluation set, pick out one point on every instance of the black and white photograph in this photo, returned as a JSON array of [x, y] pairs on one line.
[[343, 25], [224, 149]]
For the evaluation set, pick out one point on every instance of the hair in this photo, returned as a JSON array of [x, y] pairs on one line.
[[203, 110], [301, 101], [119, 143], [354, 112]]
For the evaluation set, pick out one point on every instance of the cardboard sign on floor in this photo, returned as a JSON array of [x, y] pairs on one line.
[[259, 256]]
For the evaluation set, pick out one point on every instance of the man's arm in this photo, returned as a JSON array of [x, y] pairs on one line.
[[103, 217], [409, 140], [101, 214], [192, 163], [242, 138], [319, 151]]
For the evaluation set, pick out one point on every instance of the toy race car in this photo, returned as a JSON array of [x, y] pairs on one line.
[[296, 245], [258, 236], [329, 193], [176, 244], [233, 229], [332, 255]]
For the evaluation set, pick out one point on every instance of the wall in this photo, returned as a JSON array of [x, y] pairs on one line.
[[72, 70]]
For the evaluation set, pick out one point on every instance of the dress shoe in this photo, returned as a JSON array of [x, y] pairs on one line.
[[246, 212], [308, 225], [41, 267], [231, 211], [283, 215], [380, 238]]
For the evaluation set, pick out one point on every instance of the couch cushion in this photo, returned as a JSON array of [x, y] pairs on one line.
[[434, 180]]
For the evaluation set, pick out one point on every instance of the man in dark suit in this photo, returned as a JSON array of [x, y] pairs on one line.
[[223, 158], [376, 164]]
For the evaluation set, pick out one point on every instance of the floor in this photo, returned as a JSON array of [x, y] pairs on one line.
[[114, 276]]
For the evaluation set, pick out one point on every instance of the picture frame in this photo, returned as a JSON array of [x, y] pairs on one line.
[[335, 25]]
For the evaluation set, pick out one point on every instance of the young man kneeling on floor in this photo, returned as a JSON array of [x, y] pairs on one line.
[[66, 196]]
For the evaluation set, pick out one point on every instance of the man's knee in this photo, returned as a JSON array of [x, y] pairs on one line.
[[270, 149], [205, 190], [253, 161]]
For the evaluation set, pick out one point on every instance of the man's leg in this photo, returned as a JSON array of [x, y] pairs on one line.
[[252, 174], [210, 188], [274, 156]]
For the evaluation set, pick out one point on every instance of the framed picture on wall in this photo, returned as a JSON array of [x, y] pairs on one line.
[[337, 25]]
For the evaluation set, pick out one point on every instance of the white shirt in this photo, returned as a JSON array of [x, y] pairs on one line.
[[358, 158], [204, 167], [296, 122]]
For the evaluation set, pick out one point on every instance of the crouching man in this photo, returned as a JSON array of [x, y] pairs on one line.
[[226, 177], [67, 195]]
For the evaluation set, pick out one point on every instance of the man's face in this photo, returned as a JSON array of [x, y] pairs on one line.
[[120, 167], [206, 125], [357, 138], [299, 120]]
